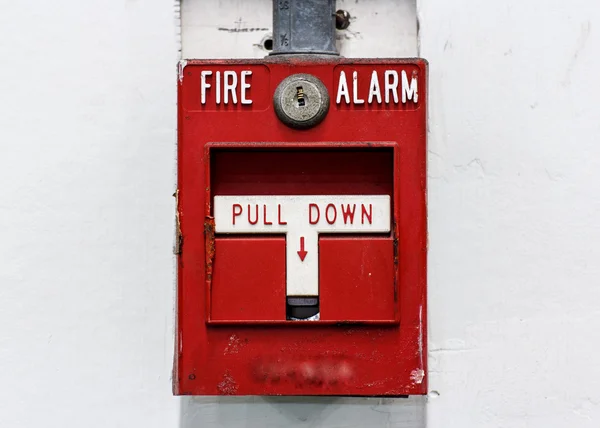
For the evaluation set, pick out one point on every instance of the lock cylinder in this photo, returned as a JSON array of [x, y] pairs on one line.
[[301, 101]]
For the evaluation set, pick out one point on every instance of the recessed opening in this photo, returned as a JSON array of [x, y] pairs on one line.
[[351, 171], [356, 269], [268, 44], [302, 308]]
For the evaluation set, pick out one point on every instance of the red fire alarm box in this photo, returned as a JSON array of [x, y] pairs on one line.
[[302, 227]]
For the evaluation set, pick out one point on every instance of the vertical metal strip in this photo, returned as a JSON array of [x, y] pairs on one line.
[[304, 27]]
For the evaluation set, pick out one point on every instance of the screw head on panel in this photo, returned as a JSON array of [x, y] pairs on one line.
[[342, 19]]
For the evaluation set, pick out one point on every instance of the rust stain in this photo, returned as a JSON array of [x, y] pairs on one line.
[[178, 234], [209, 236], [176, 382], [228, 386]]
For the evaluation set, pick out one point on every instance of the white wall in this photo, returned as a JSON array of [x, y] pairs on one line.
[[87, 149], [237, 29], [87, 166], [514, 212]]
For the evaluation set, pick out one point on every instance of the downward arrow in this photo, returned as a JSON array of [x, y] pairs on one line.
[[302, 253]]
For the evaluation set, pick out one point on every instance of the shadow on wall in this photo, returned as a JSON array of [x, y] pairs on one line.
[[276, 412]]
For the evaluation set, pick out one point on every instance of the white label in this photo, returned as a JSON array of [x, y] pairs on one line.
[[213, 85], [301, 219], [394, 84]]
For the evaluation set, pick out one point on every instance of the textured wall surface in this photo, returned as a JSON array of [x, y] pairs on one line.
[[514, 212], [87, 166]]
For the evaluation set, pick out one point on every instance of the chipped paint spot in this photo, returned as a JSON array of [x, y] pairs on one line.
[[228, 386], [374, 384], [417, 376], [234, 345], [181, 68]]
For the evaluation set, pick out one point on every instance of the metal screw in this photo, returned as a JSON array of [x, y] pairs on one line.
[[301, 101], [342, 19]]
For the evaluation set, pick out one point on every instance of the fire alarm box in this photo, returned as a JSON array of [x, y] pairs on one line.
[[301, 227]]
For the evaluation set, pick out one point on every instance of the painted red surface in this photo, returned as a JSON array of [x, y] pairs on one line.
[[357, 279], [256, 292], [233, 338]]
